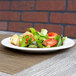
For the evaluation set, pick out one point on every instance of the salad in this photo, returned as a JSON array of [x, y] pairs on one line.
[[35, 39]]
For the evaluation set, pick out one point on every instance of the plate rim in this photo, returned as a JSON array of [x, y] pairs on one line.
[[37, 49]]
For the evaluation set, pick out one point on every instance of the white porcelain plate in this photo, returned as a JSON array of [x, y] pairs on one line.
[[67, 44]]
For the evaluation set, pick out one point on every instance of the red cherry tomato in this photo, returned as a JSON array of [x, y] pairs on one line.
[[52, 35], [51, 42]]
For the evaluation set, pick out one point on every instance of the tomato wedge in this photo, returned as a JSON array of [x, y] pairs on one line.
[[52, 35], [51, 42]]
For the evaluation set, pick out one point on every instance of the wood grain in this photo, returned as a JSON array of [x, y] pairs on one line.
[[13, 61]]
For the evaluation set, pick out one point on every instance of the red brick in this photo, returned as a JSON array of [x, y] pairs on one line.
[[4, 5], [35, 16], [51, 28], [71, 5], [38, 27], [54, 5], [67, 18], [9, 16], [3, 25], [22, 5], [70, 31], [18, 27]]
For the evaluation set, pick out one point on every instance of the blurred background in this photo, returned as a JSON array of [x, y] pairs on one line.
[[55, 15]]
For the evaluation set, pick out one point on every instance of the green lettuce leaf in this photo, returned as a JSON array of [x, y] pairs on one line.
[[59, 40], [64, 38], [24, 40], [42, 38], [44, 32], [39, 36], [47, 46], [32, 46], [39, 43], [33, 31]]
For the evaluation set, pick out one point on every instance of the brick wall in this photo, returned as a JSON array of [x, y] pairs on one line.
[[55, 15]]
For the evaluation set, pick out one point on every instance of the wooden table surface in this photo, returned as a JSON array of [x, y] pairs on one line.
[[14, 61]]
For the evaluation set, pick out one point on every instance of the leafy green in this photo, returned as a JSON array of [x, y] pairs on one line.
[[44, 32], [59, 40], [23, 41], [32, 46], [39, 42], [23, 44], [39, 36], [47, 46], [42, 38], [36, 36], [33, 31], [20, 38], [64, 38]]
